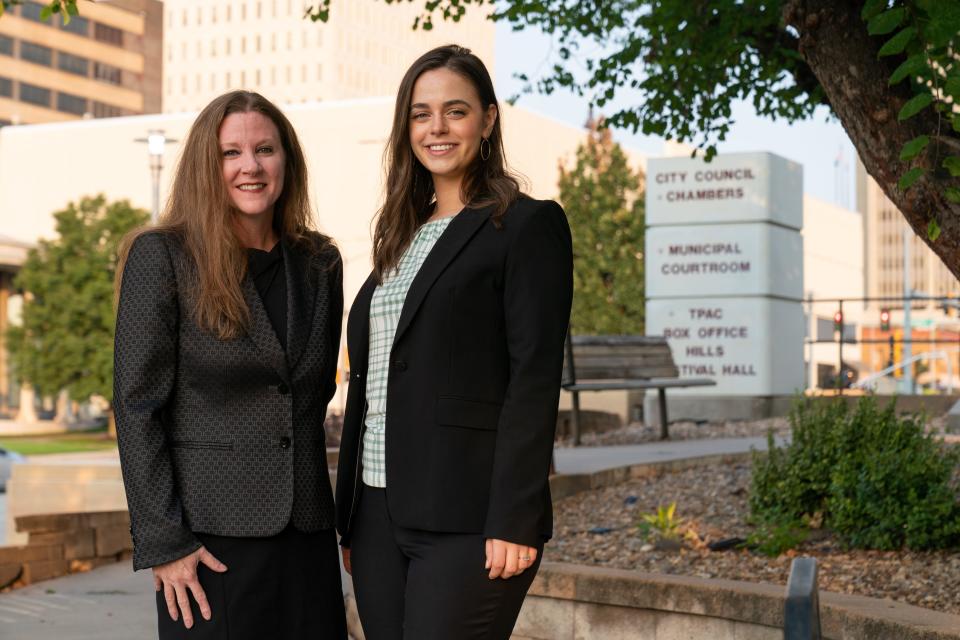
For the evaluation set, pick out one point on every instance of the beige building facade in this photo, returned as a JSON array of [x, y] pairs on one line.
[[883, 226], [105, 62], [213, 46]]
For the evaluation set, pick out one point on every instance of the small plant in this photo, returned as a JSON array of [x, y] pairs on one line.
[[771, 538], [662, 525]]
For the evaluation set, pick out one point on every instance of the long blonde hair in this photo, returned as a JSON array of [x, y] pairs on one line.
[[198, 213], [409, 188]]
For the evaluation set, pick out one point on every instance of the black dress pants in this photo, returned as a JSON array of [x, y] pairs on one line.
[[285, 587], [422, 585]]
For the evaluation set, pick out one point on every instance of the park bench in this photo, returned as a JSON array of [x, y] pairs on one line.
[[605, 363]]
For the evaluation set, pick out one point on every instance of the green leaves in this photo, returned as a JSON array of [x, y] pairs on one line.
[[912, 66], [915, 105], [907, 179], [886, 22], [66, 337], [933, 230], [897, 43], [952, 194], [913, 148], [872, 8], [952, 164]]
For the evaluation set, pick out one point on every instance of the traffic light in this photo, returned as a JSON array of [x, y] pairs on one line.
[[885, 319], [838, 321], [948, 305]]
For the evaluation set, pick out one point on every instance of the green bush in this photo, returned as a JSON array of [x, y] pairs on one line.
[[876, 479]]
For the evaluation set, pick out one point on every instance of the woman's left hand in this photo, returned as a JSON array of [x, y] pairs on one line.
[[505, 559]]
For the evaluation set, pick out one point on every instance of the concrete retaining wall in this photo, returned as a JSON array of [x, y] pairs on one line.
[[65, 543], [570, 602]]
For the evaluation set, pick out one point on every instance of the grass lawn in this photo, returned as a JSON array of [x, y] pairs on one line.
[[59, 443]]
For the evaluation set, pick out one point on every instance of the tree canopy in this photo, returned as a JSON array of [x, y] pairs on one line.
[[603, 199], [66, 337]]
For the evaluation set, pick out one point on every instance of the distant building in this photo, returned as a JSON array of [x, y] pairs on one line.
[[883, 226], [13, 253], [213, 46], [106, 62]]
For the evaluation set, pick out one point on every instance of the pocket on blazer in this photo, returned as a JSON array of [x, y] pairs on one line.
[[202, 444], [468, 413]]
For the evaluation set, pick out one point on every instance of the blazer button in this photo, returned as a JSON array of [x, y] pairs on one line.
[[399, 365], [285, 442], [283, 389]]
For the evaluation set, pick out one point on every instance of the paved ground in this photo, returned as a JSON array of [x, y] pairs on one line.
[[113, 603], [591, 459]]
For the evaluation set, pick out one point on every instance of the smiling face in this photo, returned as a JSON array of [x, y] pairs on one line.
[[447, 123], [253, 162]]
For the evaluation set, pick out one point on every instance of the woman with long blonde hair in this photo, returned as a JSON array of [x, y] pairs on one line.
[[228, 324], [456, 344]]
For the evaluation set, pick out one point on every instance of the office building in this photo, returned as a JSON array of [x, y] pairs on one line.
[[213, 46], [105, 62]]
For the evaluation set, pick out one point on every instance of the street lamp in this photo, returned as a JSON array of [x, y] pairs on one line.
[[156, 141]]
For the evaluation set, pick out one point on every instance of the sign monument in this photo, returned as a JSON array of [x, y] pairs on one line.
[[724, 276]]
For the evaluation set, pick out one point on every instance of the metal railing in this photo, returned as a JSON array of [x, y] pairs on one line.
[[801, 610]]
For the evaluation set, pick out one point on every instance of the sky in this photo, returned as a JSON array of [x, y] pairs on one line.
[[818, 143]]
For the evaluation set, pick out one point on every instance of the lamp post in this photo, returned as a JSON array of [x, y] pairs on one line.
[[907, 351], [156, 141]]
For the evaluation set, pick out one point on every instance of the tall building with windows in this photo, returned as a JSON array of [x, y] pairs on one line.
[[212, 46], [883, 226], [105, 62]]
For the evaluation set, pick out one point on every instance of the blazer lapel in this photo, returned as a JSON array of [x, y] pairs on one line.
[[301, 296], [261, 331], [453, 239], [358, 326]]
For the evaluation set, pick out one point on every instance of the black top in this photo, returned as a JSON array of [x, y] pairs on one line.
[[270, 279]]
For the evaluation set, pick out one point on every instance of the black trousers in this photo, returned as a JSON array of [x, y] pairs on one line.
[[285, 587], [423, 585]]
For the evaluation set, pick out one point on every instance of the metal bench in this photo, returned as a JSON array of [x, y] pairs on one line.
[[605, 363]]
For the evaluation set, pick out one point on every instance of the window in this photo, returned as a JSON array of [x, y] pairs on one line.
[[101, 110], [36, 54], [69, 103], [73, 64], [6, 87], [106, 73], [34, 94], [77, 25], [107, 34], [31, 11], [6, 46]]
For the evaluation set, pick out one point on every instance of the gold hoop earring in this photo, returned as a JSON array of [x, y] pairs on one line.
[[484, 156]]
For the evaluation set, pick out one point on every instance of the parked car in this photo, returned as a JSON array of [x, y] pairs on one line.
[[7, 460]]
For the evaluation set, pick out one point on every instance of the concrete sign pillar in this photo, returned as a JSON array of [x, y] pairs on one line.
[[724, 277]]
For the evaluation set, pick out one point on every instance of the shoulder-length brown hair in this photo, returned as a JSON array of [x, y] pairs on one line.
[[409, 186], [199, 214]]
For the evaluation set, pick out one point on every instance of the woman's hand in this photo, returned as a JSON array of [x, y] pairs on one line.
[[345, 552], [176, 577], [505, 559]]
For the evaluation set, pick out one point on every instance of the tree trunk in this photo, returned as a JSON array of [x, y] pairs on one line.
[[835, 44]]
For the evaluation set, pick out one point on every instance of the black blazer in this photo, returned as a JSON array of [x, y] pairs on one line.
[[474, 379], [223, 437]]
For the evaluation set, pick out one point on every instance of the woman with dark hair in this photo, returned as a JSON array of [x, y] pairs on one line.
[[228, 325], [456, 344]]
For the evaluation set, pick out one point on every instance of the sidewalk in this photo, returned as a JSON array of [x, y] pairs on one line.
[[113, 603]]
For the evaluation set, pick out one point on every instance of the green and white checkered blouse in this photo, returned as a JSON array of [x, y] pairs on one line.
[[385, 307]]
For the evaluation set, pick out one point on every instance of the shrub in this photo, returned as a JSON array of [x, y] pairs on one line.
[[876, 479]]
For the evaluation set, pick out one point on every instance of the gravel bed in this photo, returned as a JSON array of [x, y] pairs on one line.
[[712, 502]]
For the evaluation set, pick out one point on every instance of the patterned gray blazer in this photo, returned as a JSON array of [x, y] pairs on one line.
[[223, 437]]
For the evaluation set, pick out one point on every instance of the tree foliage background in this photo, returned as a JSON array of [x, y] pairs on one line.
[[66, 338], [603, 198]]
